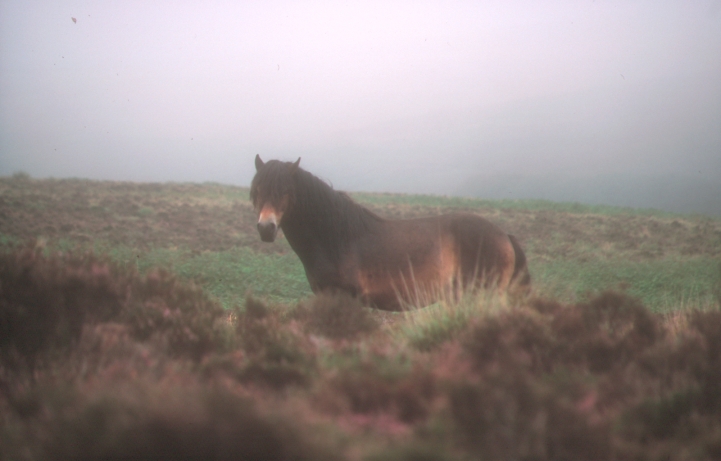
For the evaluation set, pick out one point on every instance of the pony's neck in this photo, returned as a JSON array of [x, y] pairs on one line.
[[322, 221]]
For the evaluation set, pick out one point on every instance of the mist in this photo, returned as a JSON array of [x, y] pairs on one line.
[[596, 102]]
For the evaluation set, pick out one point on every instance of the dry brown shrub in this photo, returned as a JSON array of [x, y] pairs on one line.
[[515, 338], [147, 422], [365, 389], [521, 400], [277, 354], [47, 301], [610, 331], [336, 316], [98, 362]]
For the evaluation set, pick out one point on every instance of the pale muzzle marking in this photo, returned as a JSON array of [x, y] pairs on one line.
[[268, 219]]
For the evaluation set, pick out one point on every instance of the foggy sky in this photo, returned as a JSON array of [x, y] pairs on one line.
[[378, 96]]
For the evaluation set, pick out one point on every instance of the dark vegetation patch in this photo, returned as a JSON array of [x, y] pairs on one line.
[[99, 362], [143, 422], [45, 302], [336, 316], [365, 389], [277, 354], [601, 380]]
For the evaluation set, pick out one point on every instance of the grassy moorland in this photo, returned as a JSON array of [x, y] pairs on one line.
[[206, 232], [148, 321]]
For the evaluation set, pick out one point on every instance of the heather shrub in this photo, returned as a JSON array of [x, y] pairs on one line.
[[277, 353], [99, 362], [372, 387], [514, 338], [587, 381], [678, 418], [177, 313], [45, 301], [151, 420], [417, 451], [336, 316], [708, 324], [488, 418], [511, 415], [613, 330]]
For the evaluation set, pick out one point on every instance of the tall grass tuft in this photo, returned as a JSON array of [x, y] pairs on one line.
[[427, 328]]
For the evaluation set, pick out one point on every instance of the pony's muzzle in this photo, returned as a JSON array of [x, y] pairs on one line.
[[267, 230], [268, 220]]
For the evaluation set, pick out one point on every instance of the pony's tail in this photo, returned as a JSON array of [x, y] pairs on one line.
[[521, 277]]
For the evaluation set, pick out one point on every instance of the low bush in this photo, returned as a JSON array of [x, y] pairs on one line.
[[46, 300], [336, 316], [151, 420], [599, 380], [365, 389], [276, 354], [98, 361]]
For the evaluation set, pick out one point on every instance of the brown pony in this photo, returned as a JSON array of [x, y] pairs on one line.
[[388, 263]]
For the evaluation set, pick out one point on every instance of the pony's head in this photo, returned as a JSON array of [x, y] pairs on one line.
[[272, 193]]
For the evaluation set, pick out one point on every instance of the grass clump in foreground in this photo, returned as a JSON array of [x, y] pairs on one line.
[[98, 361], [426, 329]]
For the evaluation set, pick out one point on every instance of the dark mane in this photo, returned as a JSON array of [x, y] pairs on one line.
[[333, 214]]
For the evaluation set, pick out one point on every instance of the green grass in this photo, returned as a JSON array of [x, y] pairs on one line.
[[661, 285], [206, 233], [226, 275], [231, 274]]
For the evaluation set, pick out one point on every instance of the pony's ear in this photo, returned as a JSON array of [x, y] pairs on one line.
[[294, 167], [258, 162]]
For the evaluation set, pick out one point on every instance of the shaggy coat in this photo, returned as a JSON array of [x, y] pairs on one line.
[[390, 264]]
